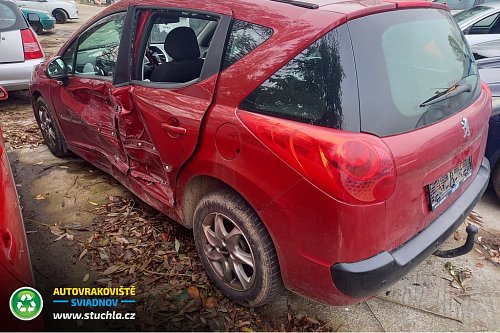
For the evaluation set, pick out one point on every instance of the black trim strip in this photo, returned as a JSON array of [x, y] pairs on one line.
[[302, 4]]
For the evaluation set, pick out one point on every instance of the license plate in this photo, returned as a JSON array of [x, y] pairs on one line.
[[443, 187]]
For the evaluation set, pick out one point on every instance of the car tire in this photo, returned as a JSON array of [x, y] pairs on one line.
[[50, 129], [60, 16], [495, 179], [37, 26], [229, 252]]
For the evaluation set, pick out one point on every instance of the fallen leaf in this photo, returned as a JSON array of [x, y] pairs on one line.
[[39, 197], [64, 167], [93, 203], [38, 163], [247, 329], [479, 265], [211, 302], [194, 292], [86, 277], [84, 252], [110, 270], [177, 245]]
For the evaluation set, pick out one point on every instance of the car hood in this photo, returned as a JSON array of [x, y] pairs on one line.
[[488, 49], [27, 11]]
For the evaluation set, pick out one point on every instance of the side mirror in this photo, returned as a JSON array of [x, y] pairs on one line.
[[32, 17], [56, 69], [3, 94]]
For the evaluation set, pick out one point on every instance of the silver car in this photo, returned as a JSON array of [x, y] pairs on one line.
[[481, 23], [20, 50]]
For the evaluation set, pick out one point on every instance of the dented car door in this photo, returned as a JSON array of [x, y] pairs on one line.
[[84, 101]]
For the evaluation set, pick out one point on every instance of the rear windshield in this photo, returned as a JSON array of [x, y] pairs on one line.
[[408, 58], [11, 17], [467, 14]]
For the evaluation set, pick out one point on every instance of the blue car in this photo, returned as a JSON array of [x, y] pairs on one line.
[[489, 70], [39, 20]]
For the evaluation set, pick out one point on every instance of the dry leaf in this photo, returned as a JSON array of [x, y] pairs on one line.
[[39, 197], [194, 292], [110, 270], [479, 265], [93, 203], [84, 252], [86, 277], [211, 302], [38, 163]]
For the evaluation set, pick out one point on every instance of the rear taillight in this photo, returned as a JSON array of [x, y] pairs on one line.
[[353, 167], [32, 49], [486, 88]]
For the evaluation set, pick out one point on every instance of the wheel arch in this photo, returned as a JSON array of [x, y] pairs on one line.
[[195, 189]]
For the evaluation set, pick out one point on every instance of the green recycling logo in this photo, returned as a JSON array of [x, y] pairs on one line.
[[26, 303]]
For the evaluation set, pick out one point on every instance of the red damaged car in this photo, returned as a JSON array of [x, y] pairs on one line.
[[15, 265], [324, 146]]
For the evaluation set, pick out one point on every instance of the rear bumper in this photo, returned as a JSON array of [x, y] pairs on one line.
[[370, 276], [17, 75]]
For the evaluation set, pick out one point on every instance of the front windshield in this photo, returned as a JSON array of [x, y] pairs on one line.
[[467, 14]]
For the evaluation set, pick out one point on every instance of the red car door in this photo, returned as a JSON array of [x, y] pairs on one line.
[[160, 122], [84, 102]]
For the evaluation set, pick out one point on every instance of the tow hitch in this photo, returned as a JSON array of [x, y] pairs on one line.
[[466, 248]]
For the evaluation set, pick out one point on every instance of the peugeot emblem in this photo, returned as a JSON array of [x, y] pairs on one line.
[[465, 126]]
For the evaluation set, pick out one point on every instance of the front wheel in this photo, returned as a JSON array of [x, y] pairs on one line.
[[50, 130], [60, 16], [236, 249]]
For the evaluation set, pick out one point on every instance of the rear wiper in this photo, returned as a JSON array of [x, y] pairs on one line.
[[454, 90]]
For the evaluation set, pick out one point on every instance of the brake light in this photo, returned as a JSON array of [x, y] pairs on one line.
[[355, 168], [486, 88], [32, 49]]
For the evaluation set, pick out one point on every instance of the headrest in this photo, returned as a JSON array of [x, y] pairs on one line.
[[181, 44]]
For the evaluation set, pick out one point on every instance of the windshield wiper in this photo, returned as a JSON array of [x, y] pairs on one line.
[[454, 90]]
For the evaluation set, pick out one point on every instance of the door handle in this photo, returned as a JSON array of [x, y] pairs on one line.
[[173, 130]]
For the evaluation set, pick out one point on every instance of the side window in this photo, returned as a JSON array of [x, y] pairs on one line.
[[317, 87], [245, 37], [69, 56], [485, 26], [98, 47], [176, 47]]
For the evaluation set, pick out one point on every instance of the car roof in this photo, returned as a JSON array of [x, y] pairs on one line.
[[269, 10]]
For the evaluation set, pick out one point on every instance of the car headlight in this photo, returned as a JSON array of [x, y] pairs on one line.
[[495, 106]]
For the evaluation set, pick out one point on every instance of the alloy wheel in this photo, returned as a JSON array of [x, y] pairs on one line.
[[228, 252]]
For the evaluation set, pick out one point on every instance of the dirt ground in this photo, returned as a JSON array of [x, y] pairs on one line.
[[84, 229]]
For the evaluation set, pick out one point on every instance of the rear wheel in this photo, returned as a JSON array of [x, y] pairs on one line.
[[37, 26], [50, 130], [60, 16], [236, 249]]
